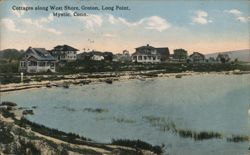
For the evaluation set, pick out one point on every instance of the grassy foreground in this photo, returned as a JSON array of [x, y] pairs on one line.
[[21, 136]]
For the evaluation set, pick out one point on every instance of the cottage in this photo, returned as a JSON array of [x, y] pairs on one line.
[[197, 57], [150, 54], [64, 53], [124, 57], [37, 60], [97, 57]]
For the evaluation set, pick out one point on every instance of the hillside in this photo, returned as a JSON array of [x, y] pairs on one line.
[[241, 55]]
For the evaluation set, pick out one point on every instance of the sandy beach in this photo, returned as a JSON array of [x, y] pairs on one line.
[[96, 78]]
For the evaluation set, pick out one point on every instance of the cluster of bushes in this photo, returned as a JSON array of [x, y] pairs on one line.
[[9, 78], [7, 103], [9, 67], [138, 144], [6, 113], [5, 136]]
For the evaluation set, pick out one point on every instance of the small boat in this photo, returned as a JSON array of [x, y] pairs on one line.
[[48, 85], [237, 72], [65, 85], [178, 76], [140, 78], [109, 81], [85, 82]]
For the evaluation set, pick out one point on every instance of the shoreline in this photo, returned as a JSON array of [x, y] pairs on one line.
[[102, 77], [17, 132]]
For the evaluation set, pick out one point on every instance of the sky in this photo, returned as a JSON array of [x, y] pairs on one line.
[[204, 26]]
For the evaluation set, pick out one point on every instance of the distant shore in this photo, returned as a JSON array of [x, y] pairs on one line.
[[101, 77]]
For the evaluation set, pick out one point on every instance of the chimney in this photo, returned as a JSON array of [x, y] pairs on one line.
[[147, 44]]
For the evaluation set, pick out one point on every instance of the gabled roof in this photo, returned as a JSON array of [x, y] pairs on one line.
[[163, 50], [159, 51], [197, 54], [39, 54], [64, 48], [145, 47]]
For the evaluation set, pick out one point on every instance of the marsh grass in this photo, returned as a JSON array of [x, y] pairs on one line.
[[238, 138], [165, 125]]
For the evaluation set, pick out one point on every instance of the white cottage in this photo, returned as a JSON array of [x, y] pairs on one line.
[[97, 57], [150, 54], [64, 53], [37, 60]]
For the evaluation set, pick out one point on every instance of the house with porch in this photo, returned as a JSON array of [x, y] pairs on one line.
[[37, 60], [150, 54], [64, 53]]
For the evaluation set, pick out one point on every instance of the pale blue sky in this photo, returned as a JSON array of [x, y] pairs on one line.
[[203, 26]]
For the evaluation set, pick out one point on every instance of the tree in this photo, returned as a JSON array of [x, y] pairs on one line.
[[180, 54], [223, 58]]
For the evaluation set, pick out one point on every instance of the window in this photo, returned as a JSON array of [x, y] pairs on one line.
[[41, 63], [145, 57], [139, 57]]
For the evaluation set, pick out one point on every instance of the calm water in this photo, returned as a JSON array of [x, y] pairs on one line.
[[216, 103]]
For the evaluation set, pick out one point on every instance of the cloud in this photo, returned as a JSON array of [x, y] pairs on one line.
[[10, 25], [201, 18], [19, 13], [234, 12], [92, 21], [39, 23], [155, 23], [238, 15], [151, 23], [108, 35], [243, 19]]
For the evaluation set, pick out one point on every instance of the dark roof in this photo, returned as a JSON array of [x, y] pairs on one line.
[[159, 51], [145, 47], [197, 53], [91, 53], [64, 48], [39, 54], [163, 50]]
